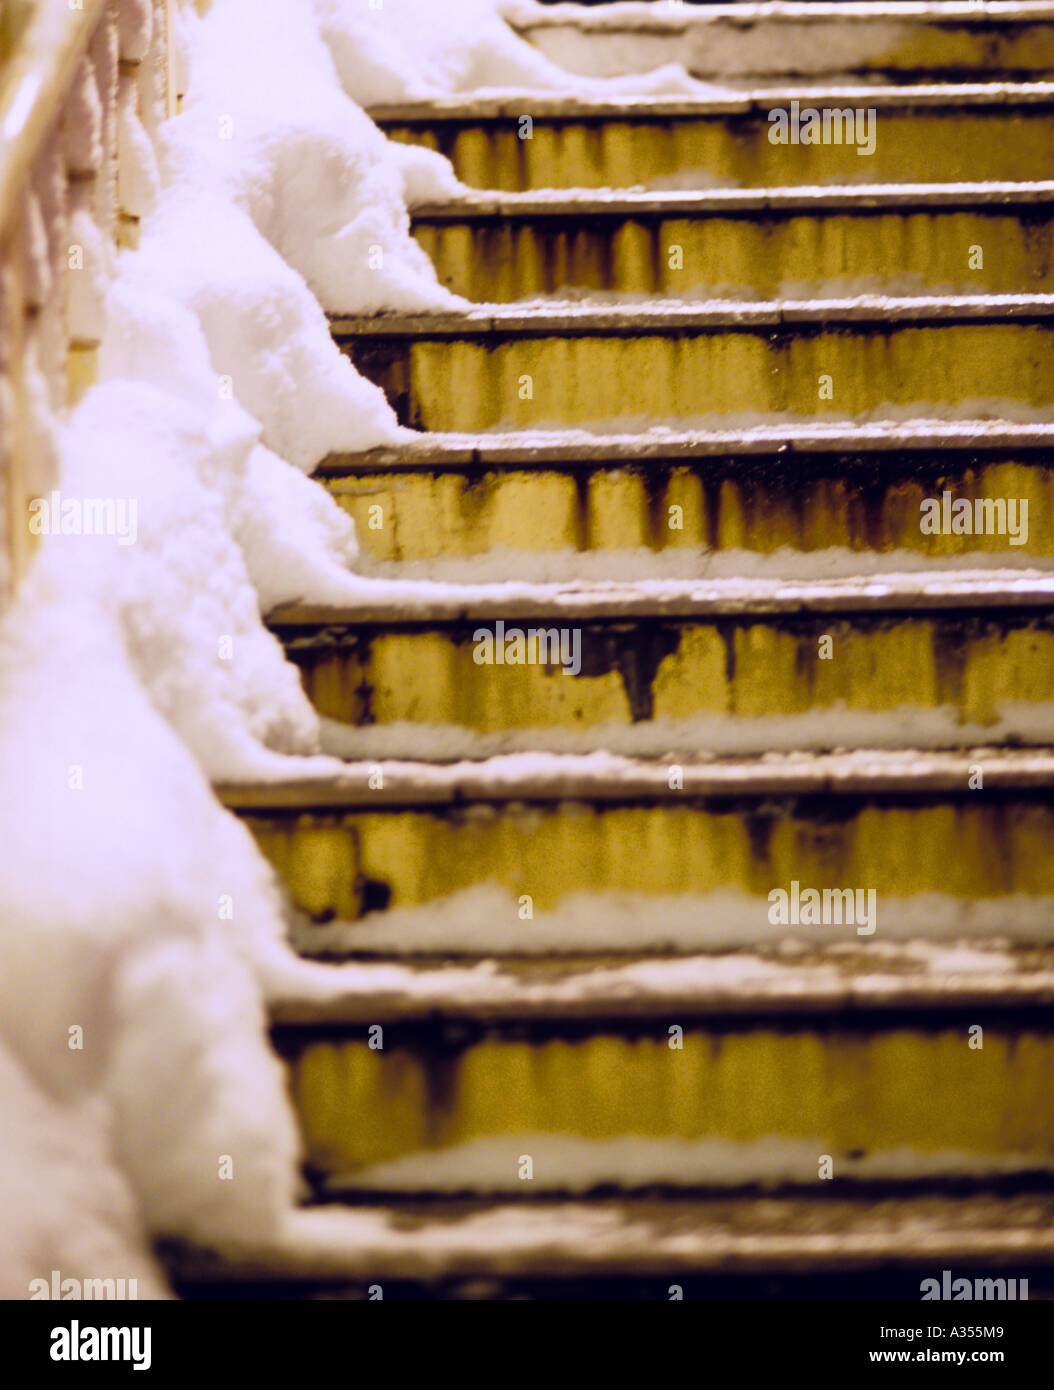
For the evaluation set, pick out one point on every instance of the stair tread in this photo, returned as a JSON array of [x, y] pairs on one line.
[[578, 317], [580, 107], [606, 777], [605, 18], [437, 450], [922, 591], [593, 203], [848, 978], [638, 1236]]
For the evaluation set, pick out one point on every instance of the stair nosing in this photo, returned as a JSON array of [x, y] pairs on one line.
[[581, 318], [462, 110], [954, 13], [868, 198], [551, 778], [628, 1236], [576, 446], [387, 989], [410, 602]]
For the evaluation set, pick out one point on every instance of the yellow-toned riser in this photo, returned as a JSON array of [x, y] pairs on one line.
[[744, 669], [950, 145], [522, 382], [449, 513], [929, 1093], [764, 256], [942, 49], [972, 849]]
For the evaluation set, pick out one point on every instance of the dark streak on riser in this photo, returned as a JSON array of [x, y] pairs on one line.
[[958, 646], [872, 472]]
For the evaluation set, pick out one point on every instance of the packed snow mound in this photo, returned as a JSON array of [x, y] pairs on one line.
[[297, 542], [66, 1206], [276, 136], [413, 50], [181, 586], [267, 338], [134, 907]]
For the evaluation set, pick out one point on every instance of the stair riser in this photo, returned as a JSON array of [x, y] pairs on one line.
[[953, 144], [821, 1090], [766, 255], [980, 845], [727, 503], [727, 47], [513, 381], [677, 669]]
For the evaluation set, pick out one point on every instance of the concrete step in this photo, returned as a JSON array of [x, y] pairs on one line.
[[955, 133], [712, 1246], [625, 367], [557, 853], [623, 1082], [803, 487], [768, 243], [757, 42], [602, 656], [534, 995]]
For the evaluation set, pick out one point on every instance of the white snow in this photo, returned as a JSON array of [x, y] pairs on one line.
[[413, 50], [118, 864], [66, 1206]]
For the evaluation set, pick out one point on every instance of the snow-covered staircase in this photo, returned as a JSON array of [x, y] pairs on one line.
[[581, 1050]]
